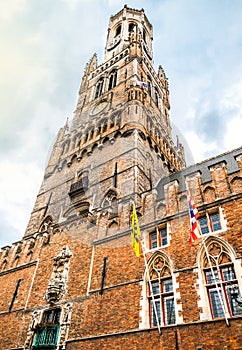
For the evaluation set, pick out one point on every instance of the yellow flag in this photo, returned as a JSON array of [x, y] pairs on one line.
[[135, 232]]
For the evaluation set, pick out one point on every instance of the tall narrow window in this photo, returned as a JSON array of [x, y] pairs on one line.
[[149, 85], [99, 88], [156, 97], [131, 27], [110, 202], [118, 30], [91, 133], [161, 303], [112, 79], [105, 125], [144, 36], [220, 281]]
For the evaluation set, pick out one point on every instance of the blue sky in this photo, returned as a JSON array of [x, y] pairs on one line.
[[45, 46]]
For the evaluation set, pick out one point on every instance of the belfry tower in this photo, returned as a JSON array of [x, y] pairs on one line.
[[119, 144], [73, 281]]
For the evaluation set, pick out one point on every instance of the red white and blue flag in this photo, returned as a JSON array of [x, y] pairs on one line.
[[143, 84], [193, 214]]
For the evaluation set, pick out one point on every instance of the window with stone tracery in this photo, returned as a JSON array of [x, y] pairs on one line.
[[156, 97], [110, 202], [99, 87], [161, 292], [132, 27], [220, 280], [46, 225], [112, 79], [149, 85], [118, 30]]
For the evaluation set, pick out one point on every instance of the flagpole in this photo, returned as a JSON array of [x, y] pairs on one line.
[[195, 233], [150, 285], [221, 299], [135, 233]]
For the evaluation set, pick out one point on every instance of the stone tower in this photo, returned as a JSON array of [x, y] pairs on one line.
[[119, 143], [74, 282]]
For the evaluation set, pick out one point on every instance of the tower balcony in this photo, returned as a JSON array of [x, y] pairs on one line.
[[46, 337], [136, 93], [78, 188]]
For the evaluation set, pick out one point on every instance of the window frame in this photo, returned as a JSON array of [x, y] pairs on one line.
[[118, 30], [161, 299], [223, 287], [132, 27], [159, 238], [99, 87], [149, 85], [112, 79], [210, 226], [156, 97], [47, 332]]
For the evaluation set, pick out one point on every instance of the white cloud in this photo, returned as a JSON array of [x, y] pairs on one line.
[[12, 8], [197, 148], [233, 133], [18, 182]]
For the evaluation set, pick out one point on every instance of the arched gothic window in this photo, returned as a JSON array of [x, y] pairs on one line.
[[220, 280], [132, 27], [144, 36], [111, 202], [118, 119], [156, 97], [149, 85], [105, 125], [99, 87], [118, 30], [112, 79], [112, 121], [65, 147], [46, 225], [110, 199], [161, 303]]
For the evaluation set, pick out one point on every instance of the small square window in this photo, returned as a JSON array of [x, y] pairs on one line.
[[158, 238], [210, 223]]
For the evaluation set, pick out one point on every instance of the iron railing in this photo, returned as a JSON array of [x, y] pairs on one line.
[[46, 336], [79, 187]]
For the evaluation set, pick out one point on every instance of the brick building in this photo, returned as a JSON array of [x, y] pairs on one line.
[[73, 281]]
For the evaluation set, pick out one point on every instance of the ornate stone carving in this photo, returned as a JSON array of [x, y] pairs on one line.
[[57, 286], [30, 333], [65, 325]]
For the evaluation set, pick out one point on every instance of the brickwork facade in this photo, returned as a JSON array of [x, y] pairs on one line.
[[73, 281]]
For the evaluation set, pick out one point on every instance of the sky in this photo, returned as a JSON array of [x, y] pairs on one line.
[[44, 48]]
